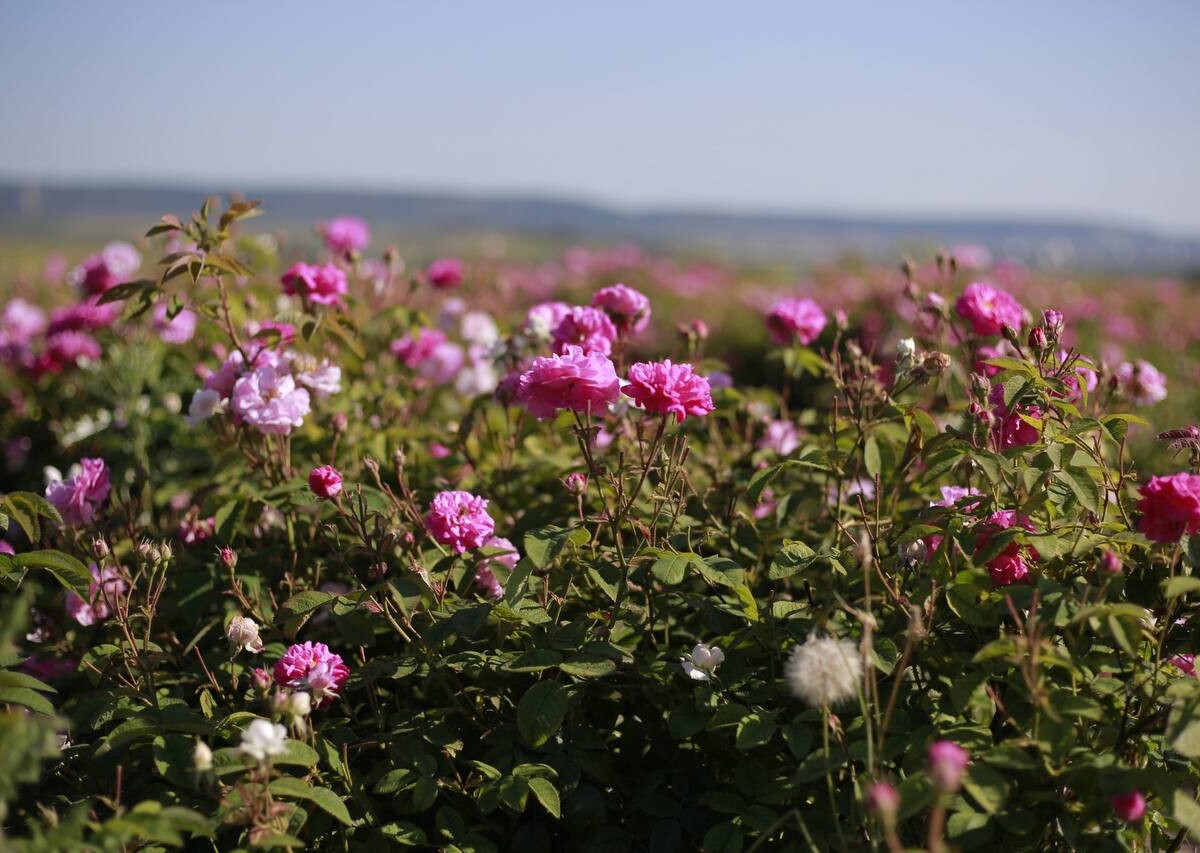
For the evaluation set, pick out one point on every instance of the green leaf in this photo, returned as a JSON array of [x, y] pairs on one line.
[[755, 730], [303, 602], [69, 572], [323, 798], [1081, 484], [544, 544], [989, 787], [9, 678], [1185, 810], [26, 508], [719, 570], [724, 838], [1182, 585], [30, 699], [541, 711], [793, 557], [546, 794], [588, 665], [871, 457], [672, 568]]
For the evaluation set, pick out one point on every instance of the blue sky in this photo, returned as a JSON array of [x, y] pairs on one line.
[[974, 108]]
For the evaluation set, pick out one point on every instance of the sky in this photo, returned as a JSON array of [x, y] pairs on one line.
[[1080, 108]]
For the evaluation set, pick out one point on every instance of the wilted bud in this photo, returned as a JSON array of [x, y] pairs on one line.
[[906, 355], [147, 551], [917, 551], [935, 363], [981, 387], [1010, 335], [841, 320], [576, 483], [1054, 323], [164, 553], [243, 634], [908, 268], [339, 422], [202, 757], [378, 571], [100, 548]]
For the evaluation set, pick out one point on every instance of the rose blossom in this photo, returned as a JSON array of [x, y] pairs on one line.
[[1141, 383], [346, 234], [102, 596], [459, 519], [572, 380], [312, 666], [67, 349], [628, 309], [325, 481], [417, 347], [1011, 564], [543, 318], [445, 273], [76, 499], [587, 328], [1012, 430], [269, 400], [779, 436], [1185, 664], [1170, 507], [947, 765], [669, 389], [1129, 806], [179, 329], [801, 319], [509, 556], [113, 265], [242, 634], [989, 309], [323, 284]]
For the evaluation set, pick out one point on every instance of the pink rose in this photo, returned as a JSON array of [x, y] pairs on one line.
[[989, 309], [312, 666], [323, 284], [947, 765], [1011, 565], [1170, 507], [587, 328], [325, 482], [76, 499], [445, 273], [669, 389], [574, 380], [459, 519], [628, 309], [799, 319], [1130, 806], [346, 234]]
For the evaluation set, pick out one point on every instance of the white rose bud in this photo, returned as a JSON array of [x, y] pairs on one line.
[[243, 634]]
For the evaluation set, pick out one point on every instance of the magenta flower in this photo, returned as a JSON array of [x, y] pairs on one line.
[[1110, 561], [1141, 383], [269, 401], [76, 499], [883, 801], [312, 667], [947, 765], [445, 273], [417, 347], [113, 265], [627, 308], [587, 328], [325, 482], [782, 437], [543, 318], [1170, 507], [178, 330], [989, 309], [103, 591], [346, 234], [1010, 429], [460, 519], [575, 380], [67, 349], [1185, 664], [486, 580], [1012, 564], [669, 389], [508, 558], [795, 319], [323, 284], [194, 530], [951, 495], [1129, 806], [20, 323]]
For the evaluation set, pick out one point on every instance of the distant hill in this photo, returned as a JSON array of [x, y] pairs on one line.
[[1051, 243]]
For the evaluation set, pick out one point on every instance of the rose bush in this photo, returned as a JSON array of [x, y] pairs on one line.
[[356, 564]]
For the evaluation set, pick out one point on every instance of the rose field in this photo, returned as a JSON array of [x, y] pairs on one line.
[[309, 542]]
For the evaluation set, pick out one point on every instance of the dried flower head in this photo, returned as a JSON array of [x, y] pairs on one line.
[[824, 672]]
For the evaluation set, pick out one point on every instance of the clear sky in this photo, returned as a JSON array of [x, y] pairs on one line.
[[1077, 107]]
